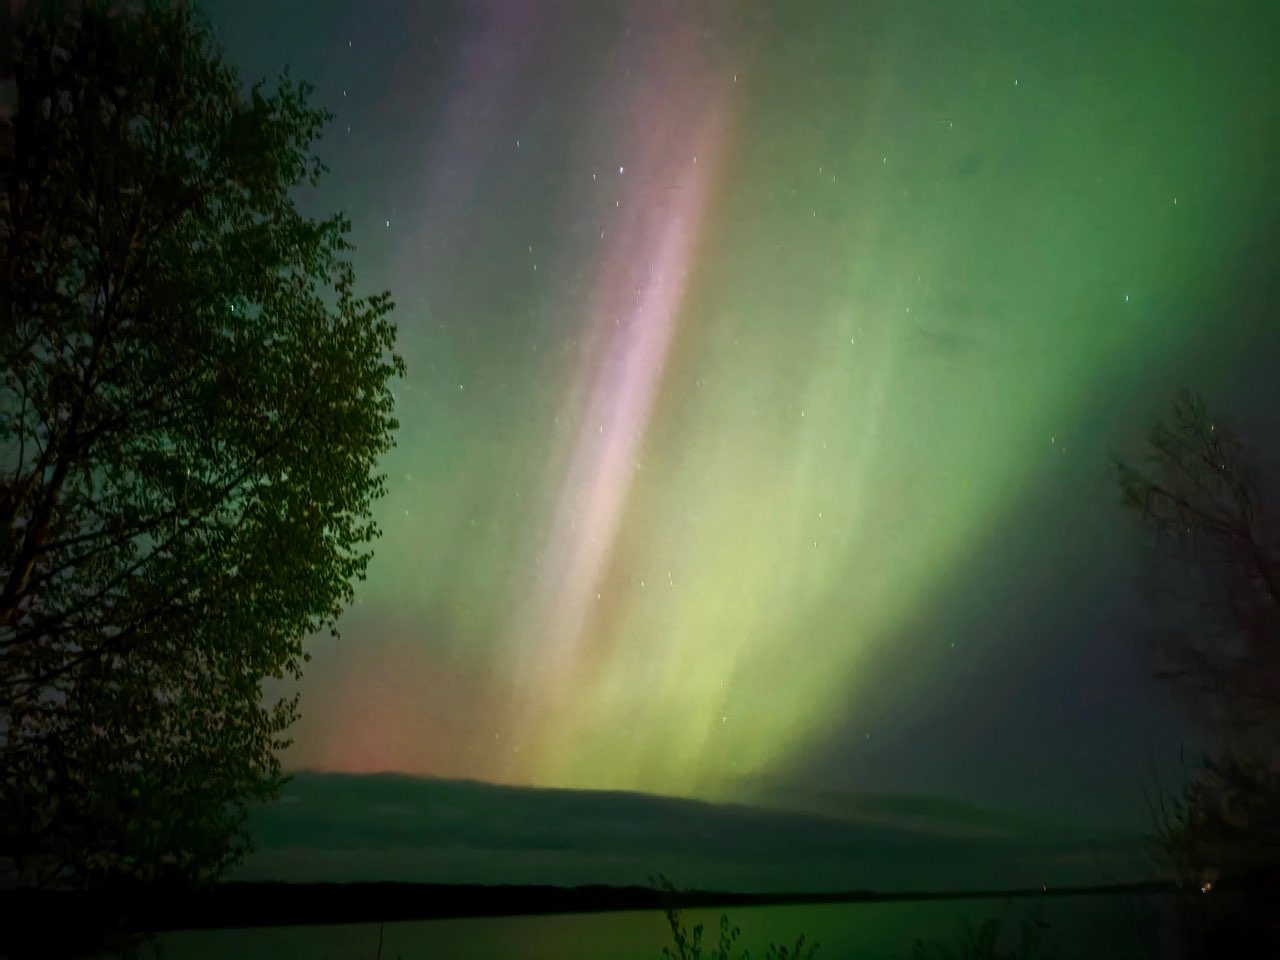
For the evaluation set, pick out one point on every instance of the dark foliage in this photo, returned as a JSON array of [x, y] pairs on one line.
[[193, 403], [1216, 564]]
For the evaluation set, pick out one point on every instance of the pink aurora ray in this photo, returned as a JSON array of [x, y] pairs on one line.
[[675, 118]]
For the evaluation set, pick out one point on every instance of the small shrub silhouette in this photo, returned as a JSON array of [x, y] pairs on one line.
[[687, 941], [982, 942]]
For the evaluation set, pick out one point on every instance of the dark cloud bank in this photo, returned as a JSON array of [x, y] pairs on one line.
[[344, 828]]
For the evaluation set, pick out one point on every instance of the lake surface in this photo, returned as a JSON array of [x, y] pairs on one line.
[[1079, 926]]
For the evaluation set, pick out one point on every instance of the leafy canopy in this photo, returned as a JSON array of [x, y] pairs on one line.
[[193, 405]]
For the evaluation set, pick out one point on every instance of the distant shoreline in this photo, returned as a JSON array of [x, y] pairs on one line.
[[241, 904]]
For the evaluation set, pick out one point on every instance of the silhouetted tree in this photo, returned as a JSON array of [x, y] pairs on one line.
[[1216, 551], [193, 404]]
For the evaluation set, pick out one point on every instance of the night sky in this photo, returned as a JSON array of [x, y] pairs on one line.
[[765, 360]]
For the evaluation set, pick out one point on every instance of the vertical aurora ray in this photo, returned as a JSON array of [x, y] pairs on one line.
[[676, 122]]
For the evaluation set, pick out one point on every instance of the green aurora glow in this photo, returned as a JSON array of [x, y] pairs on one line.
[[666, 532]]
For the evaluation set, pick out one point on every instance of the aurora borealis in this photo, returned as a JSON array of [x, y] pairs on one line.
[[765, 359]]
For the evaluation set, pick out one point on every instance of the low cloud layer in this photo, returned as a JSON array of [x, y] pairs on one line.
[[343, 828]]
